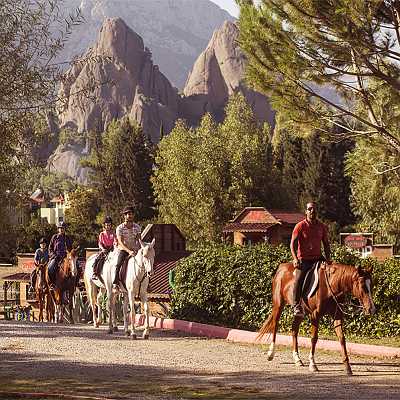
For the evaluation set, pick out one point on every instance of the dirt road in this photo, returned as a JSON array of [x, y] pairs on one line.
[[80, 362]]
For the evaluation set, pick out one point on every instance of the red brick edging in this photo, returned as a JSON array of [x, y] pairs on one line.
[[241, 336]]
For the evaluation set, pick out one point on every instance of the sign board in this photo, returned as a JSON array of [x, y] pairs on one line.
[[28, 265], [355, 241]]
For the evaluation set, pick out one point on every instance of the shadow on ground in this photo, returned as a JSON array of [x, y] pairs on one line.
[[22, 373]]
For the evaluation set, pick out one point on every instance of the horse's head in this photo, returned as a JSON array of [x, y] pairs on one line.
[[362, 288], [71, 259], [148, 253]]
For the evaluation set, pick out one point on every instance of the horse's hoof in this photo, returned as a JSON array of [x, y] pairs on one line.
[[313, 368], [299, 363], [133, 337], [115, 328], [146, 336], [127, 333], [270, 357], [349, 372], [110, 331]]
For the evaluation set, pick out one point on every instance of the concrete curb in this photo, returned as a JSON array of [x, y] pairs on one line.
[[241, 336]]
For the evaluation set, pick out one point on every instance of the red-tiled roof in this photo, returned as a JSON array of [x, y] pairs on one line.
[[18, 277], [246, 227], [57, 199], [290, 217], [162, 265]]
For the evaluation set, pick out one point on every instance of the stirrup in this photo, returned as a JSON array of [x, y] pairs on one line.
[[298, 310]]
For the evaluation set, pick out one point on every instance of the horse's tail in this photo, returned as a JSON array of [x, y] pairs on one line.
[[268, 327]]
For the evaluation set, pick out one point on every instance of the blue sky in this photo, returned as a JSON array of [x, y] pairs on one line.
[[228, 5]]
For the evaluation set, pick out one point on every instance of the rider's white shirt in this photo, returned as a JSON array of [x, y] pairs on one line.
[[130, 236]]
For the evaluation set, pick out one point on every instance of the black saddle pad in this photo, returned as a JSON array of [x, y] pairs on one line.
[[311, 281]]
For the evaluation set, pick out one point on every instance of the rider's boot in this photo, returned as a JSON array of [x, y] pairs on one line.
[[296, 294]]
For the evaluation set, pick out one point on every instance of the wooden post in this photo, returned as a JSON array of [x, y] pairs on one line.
[[5, 293]]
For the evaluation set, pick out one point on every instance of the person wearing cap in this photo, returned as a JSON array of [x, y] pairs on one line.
[[41, 257], [60, 243], [106, 242], [128, 236]]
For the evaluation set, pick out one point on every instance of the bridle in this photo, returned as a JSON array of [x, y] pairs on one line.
[[335, 297]]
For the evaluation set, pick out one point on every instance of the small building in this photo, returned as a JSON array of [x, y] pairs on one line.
[[51, 209], [258, 224], [364, 244]]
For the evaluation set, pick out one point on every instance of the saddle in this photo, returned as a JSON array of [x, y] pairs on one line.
[[311, 281]]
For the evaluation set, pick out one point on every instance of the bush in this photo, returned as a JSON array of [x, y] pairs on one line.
[[231, 286]]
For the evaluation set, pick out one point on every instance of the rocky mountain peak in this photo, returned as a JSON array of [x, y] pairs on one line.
[[219, 72]]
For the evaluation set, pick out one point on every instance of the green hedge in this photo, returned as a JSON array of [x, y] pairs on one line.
[[231, 286]]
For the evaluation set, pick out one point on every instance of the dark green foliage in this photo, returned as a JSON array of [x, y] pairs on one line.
[[313, 169], [227, 285], [231, 286], [122, 163], [81, 217], [27, 236]]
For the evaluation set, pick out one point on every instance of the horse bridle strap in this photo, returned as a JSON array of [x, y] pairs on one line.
[[335, 296]]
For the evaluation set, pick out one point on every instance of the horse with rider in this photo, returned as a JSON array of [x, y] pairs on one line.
[[127, 269], [313, 284]]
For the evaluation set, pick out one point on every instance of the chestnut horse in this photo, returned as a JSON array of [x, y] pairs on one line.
[[335, 281], [65, 283], [42, 291]]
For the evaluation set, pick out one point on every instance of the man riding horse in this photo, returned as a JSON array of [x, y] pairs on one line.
[[128, 236], [305, 247], [60, 243]]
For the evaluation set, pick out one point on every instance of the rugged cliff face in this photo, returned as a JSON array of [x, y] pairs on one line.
[[176, 31], [124, 81], [217, 74]]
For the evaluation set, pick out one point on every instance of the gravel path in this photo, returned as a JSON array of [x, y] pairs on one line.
[[81, 362]]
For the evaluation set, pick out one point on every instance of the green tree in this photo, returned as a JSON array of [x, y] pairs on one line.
[[122, 163], [313, 169], [328, 64], [204, 175], [28, 81], [80, 215], [375, 197]]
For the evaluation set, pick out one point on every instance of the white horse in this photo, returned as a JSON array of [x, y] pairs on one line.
[[138, 273]]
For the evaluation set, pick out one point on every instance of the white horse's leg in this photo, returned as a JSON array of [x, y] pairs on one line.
[[126, 315], [271, 351], [110, 296], [312, 366], [297, 359], [131, 294], [145, 303], [114, 308], [98, 304]]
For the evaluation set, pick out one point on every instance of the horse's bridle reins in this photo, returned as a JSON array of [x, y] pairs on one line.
[[335, 296], [146, 274]]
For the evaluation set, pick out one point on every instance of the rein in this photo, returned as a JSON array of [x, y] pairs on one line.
[[146, 274], [338, 304]]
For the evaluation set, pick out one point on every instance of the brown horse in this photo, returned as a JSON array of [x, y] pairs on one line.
[[335, 281], [42, 291], [65, 282]]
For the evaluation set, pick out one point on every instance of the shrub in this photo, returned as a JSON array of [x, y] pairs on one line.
[[231, 286]]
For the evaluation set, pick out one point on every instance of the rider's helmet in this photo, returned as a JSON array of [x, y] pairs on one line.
[[42, 240], [108, 220], [61, 224]]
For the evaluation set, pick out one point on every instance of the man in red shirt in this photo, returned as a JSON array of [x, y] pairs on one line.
[[306, 250]]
